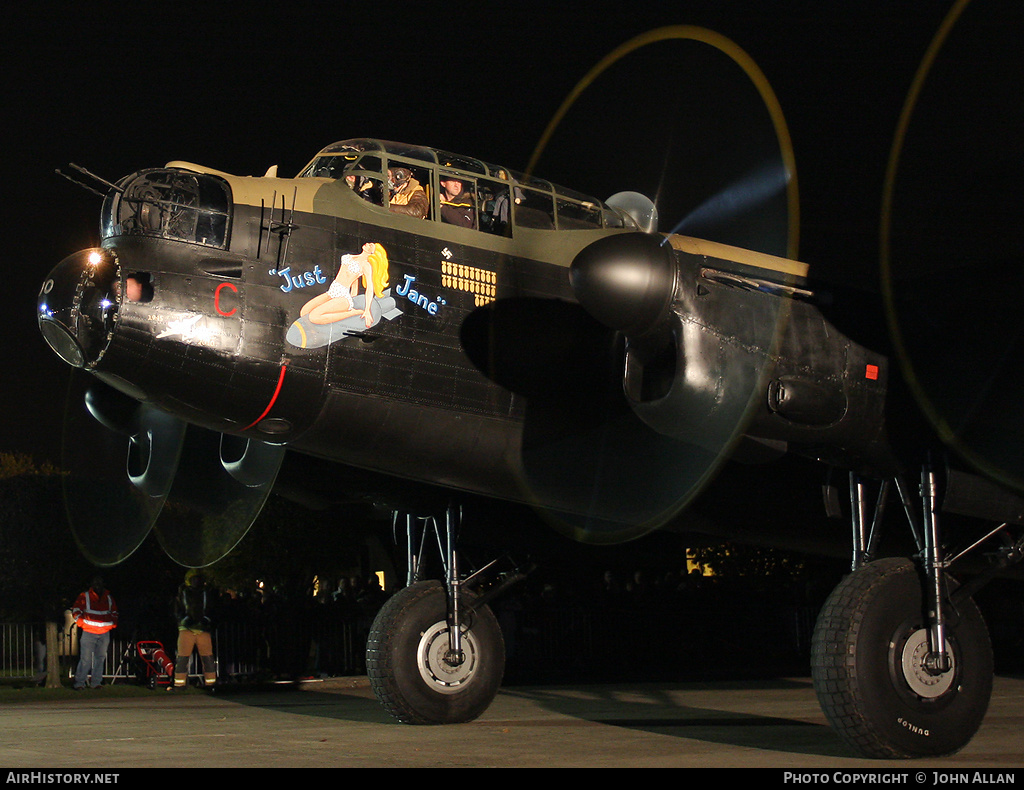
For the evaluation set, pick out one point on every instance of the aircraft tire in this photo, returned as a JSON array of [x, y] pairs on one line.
[[869, 680], [404, 659]]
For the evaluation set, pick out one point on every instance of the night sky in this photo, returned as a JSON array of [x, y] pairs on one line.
[[116, 87]]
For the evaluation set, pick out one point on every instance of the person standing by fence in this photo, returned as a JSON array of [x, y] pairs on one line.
[[95, 612]]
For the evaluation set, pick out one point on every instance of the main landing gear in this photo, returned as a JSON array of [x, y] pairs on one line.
[[435, 653], [900, 658]]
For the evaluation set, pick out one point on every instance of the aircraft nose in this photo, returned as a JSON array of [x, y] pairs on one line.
[[77, 305]]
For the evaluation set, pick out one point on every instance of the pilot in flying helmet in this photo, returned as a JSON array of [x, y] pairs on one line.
[[407, 195]]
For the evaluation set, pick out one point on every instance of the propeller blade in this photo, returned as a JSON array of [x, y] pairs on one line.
[[714, 155], [220, 489], [118, 458], [712, 149], [596, 471], [623, 479], [952, 254]]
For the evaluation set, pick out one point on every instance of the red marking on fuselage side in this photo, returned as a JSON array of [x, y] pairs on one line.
[[273, 399], [216, 299]]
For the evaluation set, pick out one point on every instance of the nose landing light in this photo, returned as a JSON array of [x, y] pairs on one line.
[[77, 305]]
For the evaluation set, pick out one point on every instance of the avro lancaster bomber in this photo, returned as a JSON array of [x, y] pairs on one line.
[[440, 329]]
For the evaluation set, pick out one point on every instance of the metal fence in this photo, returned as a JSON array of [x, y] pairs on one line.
[[545, 641], [22, 650], [240, 650]]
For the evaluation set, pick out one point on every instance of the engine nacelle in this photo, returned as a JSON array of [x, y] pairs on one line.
[[723, 343]]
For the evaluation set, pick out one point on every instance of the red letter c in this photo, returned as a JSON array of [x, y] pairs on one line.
[[216, 299]]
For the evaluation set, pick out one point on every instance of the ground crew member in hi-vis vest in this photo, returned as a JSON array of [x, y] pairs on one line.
[[95, 612], [192, 611]]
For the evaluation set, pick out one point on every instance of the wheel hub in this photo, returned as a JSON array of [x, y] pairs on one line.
[[438, 668], [923, 680]]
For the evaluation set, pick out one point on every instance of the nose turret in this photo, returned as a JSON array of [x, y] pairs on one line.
[[78, 304]]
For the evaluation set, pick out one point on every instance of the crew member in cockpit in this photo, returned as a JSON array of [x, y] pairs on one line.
[[456, 203], [363, 187], [407, 195]]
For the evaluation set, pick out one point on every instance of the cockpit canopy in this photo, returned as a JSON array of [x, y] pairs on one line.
[[501, 198]]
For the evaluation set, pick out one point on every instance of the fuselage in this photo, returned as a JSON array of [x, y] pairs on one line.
[[312, 312]]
